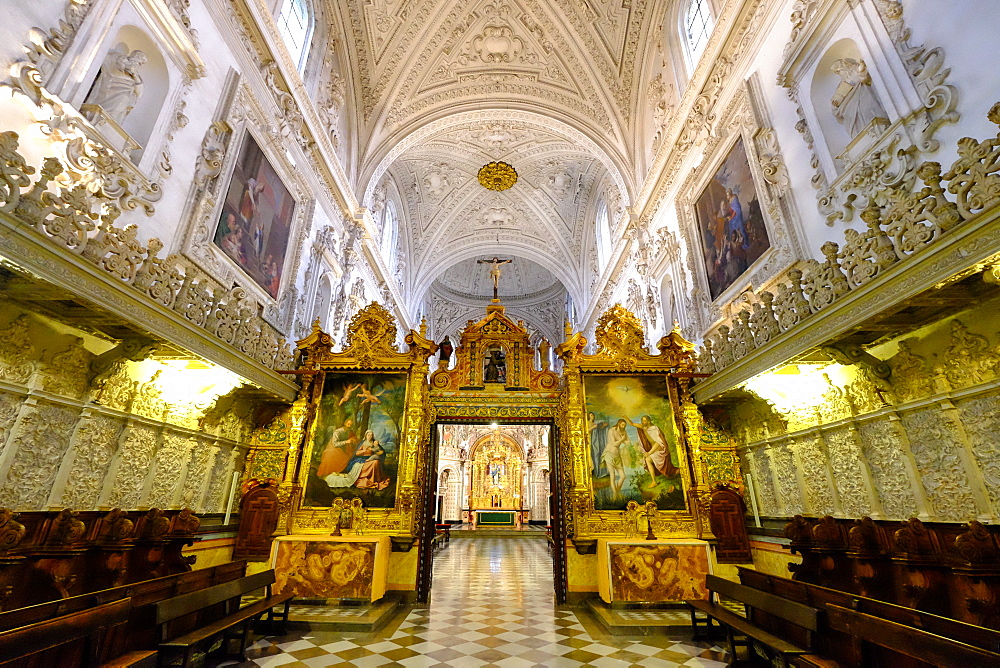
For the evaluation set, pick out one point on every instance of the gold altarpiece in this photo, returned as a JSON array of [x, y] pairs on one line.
[[705, 458], [524, 394], [283, 451], [497, 473]]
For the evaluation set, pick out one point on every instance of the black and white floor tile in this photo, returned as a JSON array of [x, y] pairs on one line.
[[491, 605]]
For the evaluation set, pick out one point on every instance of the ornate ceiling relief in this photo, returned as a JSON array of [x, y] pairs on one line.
[[495, 41], [383, 18], [615, 30], [503, 49], [544, 218]]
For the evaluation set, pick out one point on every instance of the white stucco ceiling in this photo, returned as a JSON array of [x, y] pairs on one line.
[[555, 88], [518, 277]]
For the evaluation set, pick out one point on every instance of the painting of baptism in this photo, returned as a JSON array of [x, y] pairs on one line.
[[633, 442], [355, 448]]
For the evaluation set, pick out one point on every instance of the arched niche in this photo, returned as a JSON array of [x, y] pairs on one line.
[[823, 87], [140, 123], [324, 300], [668, 301]]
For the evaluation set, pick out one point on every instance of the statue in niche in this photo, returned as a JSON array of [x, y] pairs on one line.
[[496, 469], [855, 103], [495, 370], [118, 86]]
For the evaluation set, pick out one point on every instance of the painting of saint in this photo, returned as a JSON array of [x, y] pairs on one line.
[[256, 218], [634, 442], [355, 450], [730, 222], [495, 366]]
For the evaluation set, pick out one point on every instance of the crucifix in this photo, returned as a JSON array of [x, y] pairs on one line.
[[495, 273]]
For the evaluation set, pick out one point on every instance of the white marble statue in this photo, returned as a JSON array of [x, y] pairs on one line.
[[118, 86], [855, 103]]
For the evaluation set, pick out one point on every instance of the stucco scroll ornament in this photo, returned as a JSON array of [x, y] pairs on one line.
[[16, 351], [802, 13], [44, 47], [68, 371], [332, 104], [497, 44], [968, 359], [96, 442], [291, 124], [911, 379], [208, 165]]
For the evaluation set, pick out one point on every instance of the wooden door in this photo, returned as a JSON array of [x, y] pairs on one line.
[[727, 517]]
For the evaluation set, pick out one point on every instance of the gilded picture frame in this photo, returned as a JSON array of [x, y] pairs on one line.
[[673, 505], [355, 442], [381, 390], [636, 447]]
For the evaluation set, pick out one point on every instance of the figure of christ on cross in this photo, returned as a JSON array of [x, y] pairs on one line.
[[495, 273]]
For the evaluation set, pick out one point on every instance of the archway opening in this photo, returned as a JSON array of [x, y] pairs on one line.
[[493, 481]]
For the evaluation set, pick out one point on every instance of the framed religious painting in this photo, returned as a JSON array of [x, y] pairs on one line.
[[355, 441], [255, 221], [635, 447], [730, 221]]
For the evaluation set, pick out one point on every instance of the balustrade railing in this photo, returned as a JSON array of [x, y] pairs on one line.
[[906, 225], [81, 222]]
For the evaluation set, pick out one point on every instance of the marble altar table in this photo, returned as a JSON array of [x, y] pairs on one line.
[[331, 567], [652, 571]]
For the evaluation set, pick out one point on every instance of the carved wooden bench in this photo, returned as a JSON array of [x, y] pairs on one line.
[[55, 641], [742, 631], [234, 625]]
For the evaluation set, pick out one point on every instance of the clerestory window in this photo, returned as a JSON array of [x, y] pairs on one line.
[[295, 23], [698, 26]]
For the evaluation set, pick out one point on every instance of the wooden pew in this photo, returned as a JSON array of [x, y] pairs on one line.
[[761, 607], [179, 649], [73, 639], [142, 593], [837, 646], [915, 643], [138, 633]]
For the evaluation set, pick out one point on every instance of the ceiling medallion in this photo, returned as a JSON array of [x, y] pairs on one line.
[[497, 176]]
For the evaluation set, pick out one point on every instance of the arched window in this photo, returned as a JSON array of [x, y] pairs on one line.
[[390, 229], [603, 235], [698, 26], [295, 23]]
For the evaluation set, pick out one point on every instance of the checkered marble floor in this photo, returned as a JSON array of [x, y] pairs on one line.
[[491, 605]]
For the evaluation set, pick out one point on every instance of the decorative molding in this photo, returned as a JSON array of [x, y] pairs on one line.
[[958, 219], [741, 119], [887, 157]]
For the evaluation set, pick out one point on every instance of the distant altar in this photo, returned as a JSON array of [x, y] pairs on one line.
[[497, 472]]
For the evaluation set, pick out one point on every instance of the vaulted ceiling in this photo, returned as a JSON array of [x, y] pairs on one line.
[[557, 88]]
